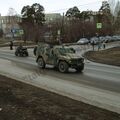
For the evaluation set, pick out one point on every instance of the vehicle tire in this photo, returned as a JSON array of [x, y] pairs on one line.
[[16, 54], [41, 62], [34, 51], [80, 68], [63, 66], [26, 54], [19, 54]]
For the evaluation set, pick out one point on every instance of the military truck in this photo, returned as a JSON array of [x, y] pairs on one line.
[[61, 57]]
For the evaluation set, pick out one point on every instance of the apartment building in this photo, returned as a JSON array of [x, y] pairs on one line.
[[9, 22]]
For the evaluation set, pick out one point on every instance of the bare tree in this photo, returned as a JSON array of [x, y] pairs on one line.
[[12, 12], [32, 21]]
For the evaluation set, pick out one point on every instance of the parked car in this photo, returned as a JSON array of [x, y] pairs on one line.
[[83, 41], [102, 39], [116, 37], [94, 40], [108, 39]]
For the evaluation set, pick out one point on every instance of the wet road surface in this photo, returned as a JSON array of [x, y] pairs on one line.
[[96, 75]]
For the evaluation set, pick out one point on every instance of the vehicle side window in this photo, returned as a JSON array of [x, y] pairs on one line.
[[41, 50], [47, 51], [52, 52]]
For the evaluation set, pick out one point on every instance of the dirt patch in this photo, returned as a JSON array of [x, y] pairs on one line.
[[19, 101], [110, 56]]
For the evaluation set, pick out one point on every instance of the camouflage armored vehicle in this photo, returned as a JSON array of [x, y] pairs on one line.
[[60, 56]]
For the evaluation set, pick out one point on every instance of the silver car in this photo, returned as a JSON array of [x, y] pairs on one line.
[[94, 40], [83, 41]]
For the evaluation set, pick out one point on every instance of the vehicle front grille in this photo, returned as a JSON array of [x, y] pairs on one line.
[[77, 61]]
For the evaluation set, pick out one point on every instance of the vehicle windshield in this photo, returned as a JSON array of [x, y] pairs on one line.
[[66, 50]]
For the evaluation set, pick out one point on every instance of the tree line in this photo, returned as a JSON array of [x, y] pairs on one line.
[[73, 24]]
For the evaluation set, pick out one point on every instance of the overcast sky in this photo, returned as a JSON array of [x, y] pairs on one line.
[[58, 6]]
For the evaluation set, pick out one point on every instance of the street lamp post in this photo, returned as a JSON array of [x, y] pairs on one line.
[[99, 23], [99, 27], [83, 25]]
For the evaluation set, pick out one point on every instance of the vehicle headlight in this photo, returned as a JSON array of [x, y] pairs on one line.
[[69, 61]]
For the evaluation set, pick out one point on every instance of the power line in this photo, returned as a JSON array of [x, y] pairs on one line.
[[77, 6]]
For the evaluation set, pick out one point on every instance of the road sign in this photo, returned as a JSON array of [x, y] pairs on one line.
[[17, 31], [99, 25], [21, 32]]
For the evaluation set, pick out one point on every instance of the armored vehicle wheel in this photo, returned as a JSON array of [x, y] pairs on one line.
[[41, 62], [63, 66]]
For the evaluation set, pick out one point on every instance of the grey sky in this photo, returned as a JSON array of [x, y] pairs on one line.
[[50, 5]]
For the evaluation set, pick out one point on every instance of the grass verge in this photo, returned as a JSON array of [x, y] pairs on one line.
[[109, 56]]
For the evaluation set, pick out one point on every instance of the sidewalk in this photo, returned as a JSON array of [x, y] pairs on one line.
[[90, 95]]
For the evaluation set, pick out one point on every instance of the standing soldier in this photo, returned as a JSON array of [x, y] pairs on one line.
[[104, 45], [11, 45], [99, 45], [93, 44]]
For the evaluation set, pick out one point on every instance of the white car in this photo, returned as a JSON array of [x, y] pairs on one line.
[[102, 38], [108, 38], [83, 41], [116, 37], [94, 40]]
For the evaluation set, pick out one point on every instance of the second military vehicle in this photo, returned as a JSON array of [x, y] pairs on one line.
[[21, 51], [61, 57]]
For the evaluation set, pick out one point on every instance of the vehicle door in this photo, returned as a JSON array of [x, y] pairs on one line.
[[50, 56]]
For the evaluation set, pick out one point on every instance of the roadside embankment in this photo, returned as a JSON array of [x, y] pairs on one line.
[[109, 56]]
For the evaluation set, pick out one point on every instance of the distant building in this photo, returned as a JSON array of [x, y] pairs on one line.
[[115, 6], [52, 17], [9, 22], [117, 9], [92, 15]]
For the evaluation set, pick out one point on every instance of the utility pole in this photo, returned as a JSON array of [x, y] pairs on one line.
[[99, 27], [83, 24], [62, 29]]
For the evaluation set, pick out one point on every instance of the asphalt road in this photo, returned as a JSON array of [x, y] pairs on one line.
[[96, 75]]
